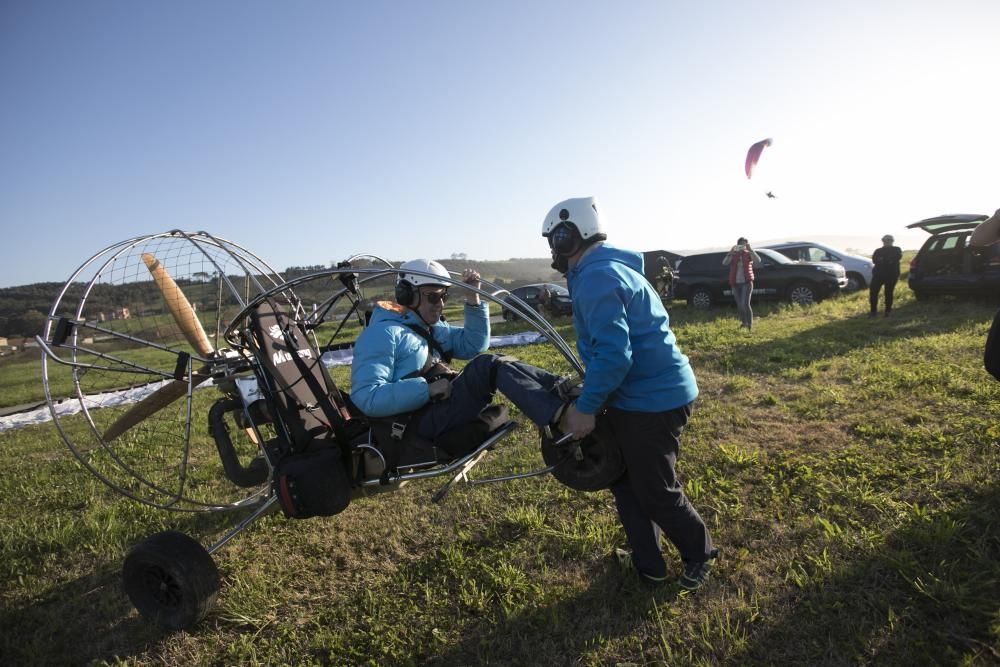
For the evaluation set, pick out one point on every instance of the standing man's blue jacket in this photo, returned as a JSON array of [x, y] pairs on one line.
[[624, 337], [388, 350]]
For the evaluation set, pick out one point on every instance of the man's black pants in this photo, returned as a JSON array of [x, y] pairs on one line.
[[649, 495], [890, 286]]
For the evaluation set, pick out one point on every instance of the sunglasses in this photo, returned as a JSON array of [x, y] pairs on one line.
[[434, 298]]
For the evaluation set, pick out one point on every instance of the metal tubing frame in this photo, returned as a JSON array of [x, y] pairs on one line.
[[252, 265]]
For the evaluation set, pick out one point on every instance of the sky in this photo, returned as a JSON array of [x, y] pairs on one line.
[[309, 131]]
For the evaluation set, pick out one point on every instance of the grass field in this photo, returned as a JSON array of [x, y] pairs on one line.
[[848, 468]]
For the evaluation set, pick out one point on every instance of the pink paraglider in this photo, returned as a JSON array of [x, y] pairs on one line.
[[754, 154]]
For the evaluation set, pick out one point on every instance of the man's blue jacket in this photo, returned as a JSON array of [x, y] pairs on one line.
[[388, 350], [623, 336]]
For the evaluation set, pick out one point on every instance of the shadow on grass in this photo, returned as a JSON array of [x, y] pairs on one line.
[[90, 617], [613, 605], [843, 336], [931, 595]]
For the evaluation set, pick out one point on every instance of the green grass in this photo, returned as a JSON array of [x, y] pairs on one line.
[[847, 467]]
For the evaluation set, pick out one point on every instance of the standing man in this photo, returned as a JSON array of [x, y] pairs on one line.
[[983, 236], [885, 272], [636, 371]]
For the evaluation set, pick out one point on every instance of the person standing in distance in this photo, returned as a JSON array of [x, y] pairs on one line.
[[885, 272], [740, 261], [636, 372]]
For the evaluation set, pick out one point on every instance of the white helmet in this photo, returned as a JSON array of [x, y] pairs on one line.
[[581, 212], [425, 266]]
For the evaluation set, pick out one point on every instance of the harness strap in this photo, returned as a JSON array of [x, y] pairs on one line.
[[425, 333]]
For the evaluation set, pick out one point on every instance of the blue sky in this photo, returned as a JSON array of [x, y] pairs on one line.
[[310, 131]]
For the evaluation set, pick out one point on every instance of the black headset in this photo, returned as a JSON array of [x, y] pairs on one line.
[[405, 294]]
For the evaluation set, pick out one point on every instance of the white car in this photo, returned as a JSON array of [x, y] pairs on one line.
[[859, 269]]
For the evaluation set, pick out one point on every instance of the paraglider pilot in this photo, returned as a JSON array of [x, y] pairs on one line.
[[400, 361]]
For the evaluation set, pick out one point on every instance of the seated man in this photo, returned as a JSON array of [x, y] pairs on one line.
[[394, 369]]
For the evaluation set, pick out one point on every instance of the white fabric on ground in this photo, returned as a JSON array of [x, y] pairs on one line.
[[71, 406]]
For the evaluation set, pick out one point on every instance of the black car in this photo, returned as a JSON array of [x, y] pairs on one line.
[[559, 301], [704, 280], [946, 264]]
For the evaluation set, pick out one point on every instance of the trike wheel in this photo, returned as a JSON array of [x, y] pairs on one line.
[[171, 580], [597, 465]]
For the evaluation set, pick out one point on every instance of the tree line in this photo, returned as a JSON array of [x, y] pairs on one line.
[[23, 309]]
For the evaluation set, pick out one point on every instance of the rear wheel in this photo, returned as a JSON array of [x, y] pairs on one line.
[[803, 294], [171, 580], [700, 298]]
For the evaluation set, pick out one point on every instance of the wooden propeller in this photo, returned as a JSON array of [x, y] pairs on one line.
[[189, 324]]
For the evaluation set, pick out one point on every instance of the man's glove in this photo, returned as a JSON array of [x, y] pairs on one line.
[[439, 390]]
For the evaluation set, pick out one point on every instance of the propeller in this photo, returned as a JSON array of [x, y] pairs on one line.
[[189, 324]]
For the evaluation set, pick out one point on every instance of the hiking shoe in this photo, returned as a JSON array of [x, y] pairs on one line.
[[696, 574], [626, 564]]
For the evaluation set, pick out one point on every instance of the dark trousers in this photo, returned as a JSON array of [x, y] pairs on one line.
[[528, 387], [649, 496], [877, 282]]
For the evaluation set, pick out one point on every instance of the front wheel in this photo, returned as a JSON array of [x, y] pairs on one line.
[[802, 294], [171, 580], [854, 282], [591, 464], [700, 298]]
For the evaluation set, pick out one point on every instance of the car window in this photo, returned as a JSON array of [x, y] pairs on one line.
[[945, 243], [530, 292], [820, 255], [773, 256]]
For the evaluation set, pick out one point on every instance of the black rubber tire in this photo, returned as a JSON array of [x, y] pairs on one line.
[[601, 466], [171, 580], [700, 298], [802, 294], [855, 282]]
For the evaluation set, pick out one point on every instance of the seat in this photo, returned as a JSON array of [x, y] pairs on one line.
[[390, 447]]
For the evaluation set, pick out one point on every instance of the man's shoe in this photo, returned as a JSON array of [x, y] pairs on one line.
[[626, 564], [696, 574]]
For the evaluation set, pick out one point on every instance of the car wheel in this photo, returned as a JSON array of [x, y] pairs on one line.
[[171, 580], [802, 294], [854, 282], [700, 298]]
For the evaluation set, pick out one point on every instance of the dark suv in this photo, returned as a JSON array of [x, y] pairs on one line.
[[704, 280], [559, 301], [946, 264]]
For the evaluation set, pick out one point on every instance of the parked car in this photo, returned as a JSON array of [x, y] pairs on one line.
[[703, 279], [858, 268], [559, 304], [946, 264]]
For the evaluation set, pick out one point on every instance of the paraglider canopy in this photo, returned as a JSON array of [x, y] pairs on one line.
[[753, 155]]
